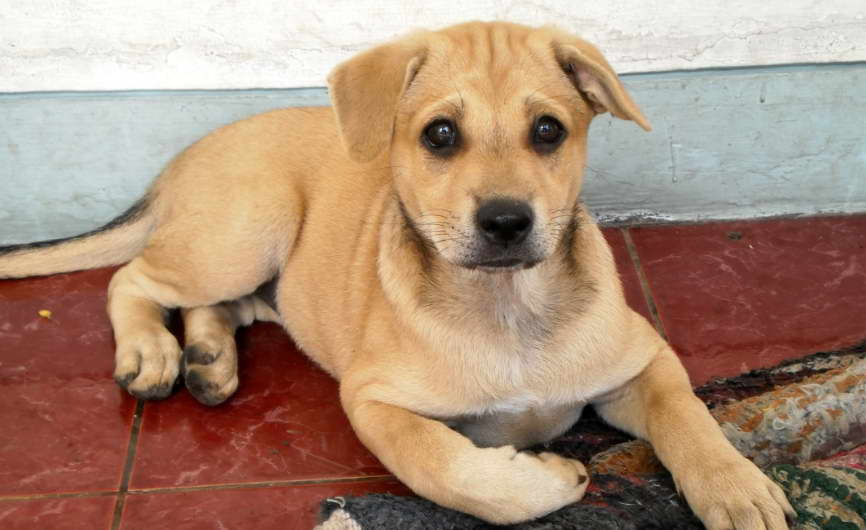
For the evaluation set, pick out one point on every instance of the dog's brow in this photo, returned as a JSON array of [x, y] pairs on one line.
[[452, 107], [566, 103], [457, 105]]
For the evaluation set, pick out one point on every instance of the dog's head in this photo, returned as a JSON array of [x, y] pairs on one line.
[[484, 126]]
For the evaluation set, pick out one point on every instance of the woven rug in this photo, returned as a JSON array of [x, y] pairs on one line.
[[803, 422]]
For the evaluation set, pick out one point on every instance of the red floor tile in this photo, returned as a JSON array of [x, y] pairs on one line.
[[57, 514], [737, 296], [66, 424], [76, 341], [284, 423], [278, 508], [63, 436], [627, 272]]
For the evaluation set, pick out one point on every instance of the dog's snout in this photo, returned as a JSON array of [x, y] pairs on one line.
[[504, 221]]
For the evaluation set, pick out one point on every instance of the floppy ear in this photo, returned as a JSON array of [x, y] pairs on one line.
[[365, 91], [594, 77]]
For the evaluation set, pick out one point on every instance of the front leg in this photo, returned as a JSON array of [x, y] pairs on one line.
[[723, 488], [499, 485]]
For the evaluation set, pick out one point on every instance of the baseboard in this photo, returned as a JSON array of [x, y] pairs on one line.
[[726, 144]]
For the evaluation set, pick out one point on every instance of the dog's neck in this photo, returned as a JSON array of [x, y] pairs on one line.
[[515, 308]]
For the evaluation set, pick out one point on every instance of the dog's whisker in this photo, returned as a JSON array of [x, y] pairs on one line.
[[447, 240]]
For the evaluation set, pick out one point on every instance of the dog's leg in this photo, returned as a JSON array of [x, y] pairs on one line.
[[500, 485], [148, 356], [725, 490], [210, 359]]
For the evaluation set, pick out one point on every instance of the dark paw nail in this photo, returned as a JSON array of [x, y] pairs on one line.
[[155, 392], [581, 479], [125, 379], [196, 383], [204, 391], [194, 355]]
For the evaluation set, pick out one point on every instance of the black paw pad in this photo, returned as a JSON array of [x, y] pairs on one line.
[[195, 355], [204, 391]]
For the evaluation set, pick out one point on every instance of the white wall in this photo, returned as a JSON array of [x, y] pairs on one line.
[[48, 45]]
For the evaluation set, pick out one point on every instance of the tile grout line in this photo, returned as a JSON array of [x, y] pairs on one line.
[[265, 484], [66, 495], [644, 283], [128, 464], [204, 487]]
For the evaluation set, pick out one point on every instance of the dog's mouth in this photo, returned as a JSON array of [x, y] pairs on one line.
[[490, 257], [501, 265]]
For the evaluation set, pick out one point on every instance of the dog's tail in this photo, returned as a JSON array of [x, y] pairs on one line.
[[117, 242]]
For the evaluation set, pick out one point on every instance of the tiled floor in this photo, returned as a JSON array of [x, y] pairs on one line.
[[77, 452]]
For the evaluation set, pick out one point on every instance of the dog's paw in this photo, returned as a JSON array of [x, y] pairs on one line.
[[147, 364], [569, 470], [505, 486], [735, 495], [210, 370]]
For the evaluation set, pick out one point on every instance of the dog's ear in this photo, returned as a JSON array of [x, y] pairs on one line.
[[594, 78], [365, 91]]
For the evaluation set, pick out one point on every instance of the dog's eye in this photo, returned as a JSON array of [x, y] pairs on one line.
[[440, 135], [547, 133]]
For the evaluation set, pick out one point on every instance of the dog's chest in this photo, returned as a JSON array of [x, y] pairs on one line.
[[511, 346], [501, 376], [499, 383], [517, 402]]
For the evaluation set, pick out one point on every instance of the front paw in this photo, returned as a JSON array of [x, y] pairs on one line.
[[505, 486], [733, 494]]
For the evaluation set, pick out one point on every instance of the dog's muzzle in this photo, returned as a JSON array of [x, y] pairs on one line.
[[503, 227]]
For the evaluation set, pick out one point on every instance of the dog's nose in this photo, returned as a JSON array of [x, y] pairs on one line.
[[504, 221]]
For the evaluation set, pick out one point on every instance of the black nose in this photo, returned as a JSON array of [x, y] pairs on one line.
[[504, 221]]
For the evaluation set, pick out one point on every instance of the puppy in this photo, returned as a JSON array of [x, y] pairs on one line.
[[423, 241]]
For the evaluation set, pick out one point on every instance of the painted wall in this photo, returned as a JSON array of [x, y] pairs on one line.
[[727, 144], [207, 44]]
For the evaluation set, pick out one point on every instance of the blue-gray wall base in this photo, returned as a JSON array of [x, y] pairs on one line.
[[728, 144]]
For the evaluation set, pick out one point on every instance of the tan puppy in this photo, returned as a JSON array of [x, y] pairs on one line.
[[437, 262]]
